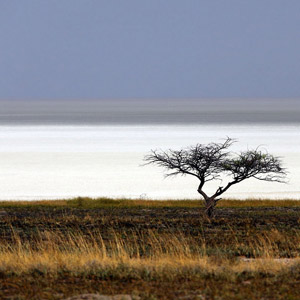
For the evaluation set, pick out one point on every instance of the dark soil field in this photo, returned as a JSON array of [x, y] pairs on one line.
[[235, 234]]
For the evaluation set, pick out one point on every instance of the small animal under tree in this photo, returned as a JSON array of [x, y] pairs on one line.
[[209, 162]]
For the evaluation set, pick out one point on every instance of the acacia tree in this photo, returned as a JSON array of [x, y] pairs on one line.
[[209, 162]]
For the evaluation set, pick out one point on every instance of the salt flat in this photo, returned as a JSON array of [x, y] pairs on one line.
[[39, 162]]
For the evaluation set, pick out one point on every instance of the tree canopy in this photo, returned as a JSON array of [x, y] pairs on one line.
[[209, 162]]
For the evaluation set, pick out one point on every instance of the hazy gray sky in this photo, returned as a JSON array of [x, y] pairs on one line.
[[67, 49]]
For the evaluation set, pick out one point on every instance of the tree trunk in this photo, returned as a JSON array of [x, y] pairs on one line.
[[209, 212], [210, 204]]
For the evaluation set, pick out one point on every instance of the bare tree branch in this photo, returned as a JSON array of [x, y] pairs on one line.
[[208, 162]]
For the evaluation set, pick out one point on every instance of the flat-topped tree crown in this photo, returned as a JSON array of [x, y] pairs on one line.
[[209, 162]]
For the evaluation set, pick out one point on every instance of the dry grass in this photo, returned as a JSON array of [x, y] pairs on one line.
[[148, 253], [156, 249], [107, 202]]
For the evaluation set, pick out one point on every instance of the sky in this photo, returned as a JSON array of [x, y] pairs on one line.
[[96, 49]]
